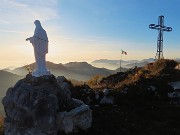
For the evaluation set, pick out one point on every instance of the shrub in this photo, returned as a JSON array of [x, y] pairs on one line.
[[1, 125], [164, 66], [94, 81]]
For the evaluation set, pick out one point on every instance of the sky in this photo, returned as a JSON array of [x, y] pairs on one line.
[[87, 30]]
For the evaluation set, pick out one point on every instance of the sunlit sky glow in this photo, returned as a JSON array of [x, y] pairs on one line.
[[86, 30]]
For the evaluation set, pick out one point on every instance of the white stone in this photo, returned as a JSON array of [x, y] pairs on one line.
[[107, 100], [78, 118], [79, 102], [125, 90], [40, 43], [175, 85], [153, 88], [174, 94], [106, 91], [61, 79], [63, 83], [96, 95]]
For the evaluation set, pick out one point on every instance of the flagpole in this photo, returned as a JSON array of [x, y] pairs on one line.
[[120, 61]]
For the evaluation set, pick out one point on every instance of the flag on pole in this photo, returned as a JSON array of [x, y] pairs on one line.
[[123, 52]]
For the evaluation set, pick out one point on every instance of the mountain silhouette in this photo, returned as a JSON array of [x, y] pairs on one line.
[[6, 80], [114, 64], [72, 70]]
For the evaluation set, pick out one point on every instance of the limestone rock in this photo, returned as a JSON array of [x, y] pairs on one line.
[[80, 117], [107, 99], [33, 107], [176, 92]]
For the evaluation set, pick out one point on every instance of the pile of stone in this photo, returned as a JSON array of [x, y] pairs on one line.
[[92, 97], [43, 106], [175, 95]]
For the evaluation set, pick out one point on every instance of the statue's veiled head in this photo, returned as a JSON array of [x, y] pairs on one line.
[[37, 23]]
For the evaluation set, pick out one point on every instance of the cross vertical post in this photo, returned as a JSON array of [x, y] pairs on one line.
[[161, 28]]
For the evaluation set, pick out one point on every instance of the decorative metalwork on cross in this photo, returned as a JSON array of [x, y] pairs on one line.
[[161, 28]]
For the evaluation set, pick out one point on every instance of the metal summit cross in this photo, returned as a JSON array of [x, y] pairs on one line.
[[161, 28]]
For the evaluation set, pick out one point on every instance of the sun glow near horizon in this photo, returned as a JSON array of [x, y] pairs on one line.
[[64, 50]]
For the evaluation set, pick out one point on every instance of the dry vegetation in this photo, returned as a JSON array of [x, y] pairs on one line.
[[1, 125], [161, 70], [94, 80], [148, 83]]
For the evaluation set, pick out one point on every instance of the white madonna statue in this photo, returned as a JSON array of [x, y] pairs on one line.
[[40, 43]]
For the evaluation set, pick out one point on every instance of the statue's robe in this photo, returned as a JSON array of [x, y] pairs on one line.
[[40, 44]]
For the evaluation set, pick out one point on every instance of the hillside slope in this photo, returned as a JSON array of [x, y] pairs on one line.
[[148, 83], [6, 80]]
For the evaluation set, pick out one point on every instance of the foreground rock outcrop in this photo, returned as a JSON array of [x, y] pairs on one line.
[[43, 106]]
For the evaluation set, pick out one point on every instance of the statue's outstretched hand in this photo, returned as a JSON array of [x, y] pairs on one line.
[[27, 39]]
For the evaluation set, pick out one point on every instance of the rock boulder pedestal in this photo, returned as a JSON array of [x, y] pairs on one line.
[[43, 106]]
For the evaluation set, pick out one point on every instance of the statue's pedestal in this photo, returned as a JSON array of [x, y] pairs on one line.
[[41, 73], [43, 106]]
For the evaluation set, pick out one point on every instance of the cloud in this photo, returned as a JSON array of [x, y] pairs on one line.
[[84, 39], [26, 11], [9, 31]]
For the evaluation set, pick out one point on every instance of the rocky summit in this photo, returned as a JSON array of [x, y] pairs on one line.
[[43, 106]]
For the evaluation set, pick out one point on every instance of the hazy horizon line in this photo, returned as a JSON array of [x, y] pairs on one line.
[[89, 62]]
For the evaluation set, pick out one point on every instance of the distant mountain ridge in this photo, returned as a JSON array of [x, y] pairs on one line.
[[139, 64], [72, 70], [83, 70], [114, 64], [6, 80]]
